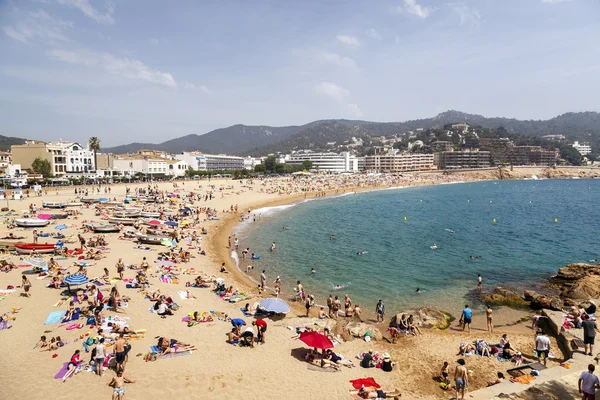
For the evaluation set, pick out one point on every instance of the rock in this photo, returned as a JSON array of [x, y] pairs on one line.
[[359, 329], [585, 288], [505, 297], [530, 295], [574, 272], [578, 282], [427, 317], [550, 302]]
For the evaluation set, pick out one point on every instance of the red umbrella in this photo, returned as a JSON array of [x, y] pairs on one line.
[[154, 222], [316, 340]]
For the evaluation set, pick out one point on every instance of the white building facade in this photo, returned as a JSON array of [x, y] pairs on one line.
[[583, 149], [212, 162], [394, 162], [327, 162]]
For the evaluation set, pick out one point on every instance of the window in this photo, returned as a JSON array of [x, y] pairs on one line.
[[71, 160]]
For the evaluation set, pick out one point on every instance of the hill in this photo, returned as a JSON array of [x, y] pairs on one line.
[[7, 141], [261, 140]]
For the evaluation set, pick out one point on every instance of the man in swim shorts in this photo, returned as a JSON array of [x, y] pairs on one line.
[[466, 318], [118, 383], [460, 378]]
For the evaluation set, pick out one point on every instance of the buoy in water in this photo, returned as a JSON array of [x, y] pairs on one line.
[[490, 201], [404, 219], [421, 201], [494, 221], [555, 220], [468, 201]]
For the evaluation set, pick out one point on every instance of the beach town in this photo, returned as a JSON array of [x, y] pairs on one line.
[[129, 291]]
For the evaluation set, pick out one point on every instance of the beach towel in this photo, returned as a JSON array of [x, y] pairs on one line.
[[524, 379], [54, 317], [366, 382], [156, 350], [63, 371], [183, 295], [74, 317]]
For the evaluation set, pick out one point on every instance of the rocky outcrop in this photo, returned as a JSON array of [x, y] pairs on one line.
[[538, 301], [578, 282], [426, 317], [504, 297], [360, 329]]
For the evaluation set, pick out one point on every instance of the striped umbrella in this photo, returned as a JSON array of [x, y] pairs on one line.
[[168, 243], [36, 262], [274, 305], [76, 279]]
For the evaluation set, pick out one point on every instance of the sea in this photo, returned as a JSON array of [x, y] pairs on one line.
[[514, 233]]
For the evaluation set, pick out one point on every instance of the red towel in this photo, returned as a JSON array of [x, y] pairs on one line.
[[366, 382]]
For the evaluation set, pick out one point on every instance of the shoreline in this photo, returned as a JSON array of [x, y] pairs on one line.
[[222, 253]]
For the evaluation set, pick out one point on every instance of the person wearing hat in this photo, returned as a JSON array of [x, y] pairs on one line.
[[367, 361], [589, 334], [387, 365]]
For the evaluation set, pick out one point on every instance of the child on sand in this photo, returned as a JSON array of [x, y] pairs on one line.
[[445, 375], [118, 383]]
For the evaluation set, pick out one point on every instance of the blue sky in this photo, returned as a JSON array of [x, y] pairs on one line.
[[151, 70]]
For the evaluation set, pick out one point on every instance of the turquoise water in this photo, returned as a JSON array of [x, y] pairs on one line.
[[524, 246]]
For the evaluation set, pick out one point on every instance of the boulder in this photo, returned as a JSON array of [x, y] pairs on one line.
[[530, 295], [549, 302], [426, 317], [574, 272], [504, 297], [359, 329], [585, 288]]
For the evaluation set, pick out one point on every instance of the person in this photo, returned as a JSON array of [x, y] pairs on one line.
[[499, 379], [445, 374], [26, 284], [100, 356], [310, 301], [273, 247], [380, 310], [387, 364], [313, 271], [232, 337], [466, 318], [337, 304], [588, 383], [73, 364], [261, 327], [247, 337], [347, 301], [535, 320], [121, 349], [367, 361], [503, 340], [418, 290], [118, 384], [368, 393], [120, 268], [263, 279], [330, 304], [461, 379], [518, 359], [542, 346], [323, 314], [479, 283], [489, 318], [81, 241], [589, 334], [591, 310], [357, 312], [164, 310], [336, 359]]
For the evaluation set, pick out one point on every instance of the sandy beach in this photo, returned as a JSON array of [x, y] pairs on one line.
[[217, 369]]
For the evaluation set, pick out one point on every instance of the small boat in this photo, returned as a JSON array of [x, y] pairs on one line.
[[59, 216], [89, 200], [53, 204], [74, 204], [26, 248], [150, 214], [104, 228], [147, 239], [31, 222], [126, 214], [120, 220]]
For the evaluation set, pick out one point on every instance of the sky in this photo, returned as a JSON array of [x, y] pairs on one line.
[[154, 70]]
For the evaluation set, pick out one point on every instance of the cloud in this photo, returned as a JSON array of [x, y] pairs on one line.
[[88, 10], [355, 110], [414, 8], [120, 66], [191, 86], [373, 34], [333, 91], [340, 61], [37, 25], [466, 14], [349, 41]]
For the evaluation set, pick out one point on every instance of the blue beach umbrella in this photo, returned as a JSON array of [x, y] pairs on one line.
[[171, 223], [60, 227], [76, 279], [274, 305], [102, 199]]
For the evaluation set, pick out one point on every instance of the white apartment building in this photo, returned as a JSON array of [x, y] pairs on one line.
[[129, 166], [212, 162], [327, 162], [71, 157], [251, 162], [5, 159], [394, 162], [583, 149]]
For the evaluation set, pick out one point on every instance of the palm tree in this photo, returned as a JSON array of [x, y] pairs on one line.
[[94, 144]]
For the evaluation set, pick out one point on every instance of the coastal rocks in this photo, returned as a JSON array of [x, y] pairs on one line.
[[578, 282], [426, 317], [504, 297], [359, 329]]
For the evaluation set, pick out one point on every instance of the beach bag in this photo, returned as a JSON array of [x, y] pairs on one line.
[[89, 341], [91, 320]]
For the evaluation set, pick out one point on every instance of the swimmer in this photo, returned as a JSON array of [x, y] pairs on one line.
[[360, 253], [433, 247], [285, 228], [450, 230], [331, 237], [273, 247], [418, 290], [313, 271], [474, 257]]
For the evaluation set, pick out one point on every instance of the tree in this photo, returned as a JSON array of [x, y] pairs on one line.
[[307, 165], [42, 167], [279, 168], [270, 164], [189, 172], [260, 168], [94, 144], [572, 156]]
